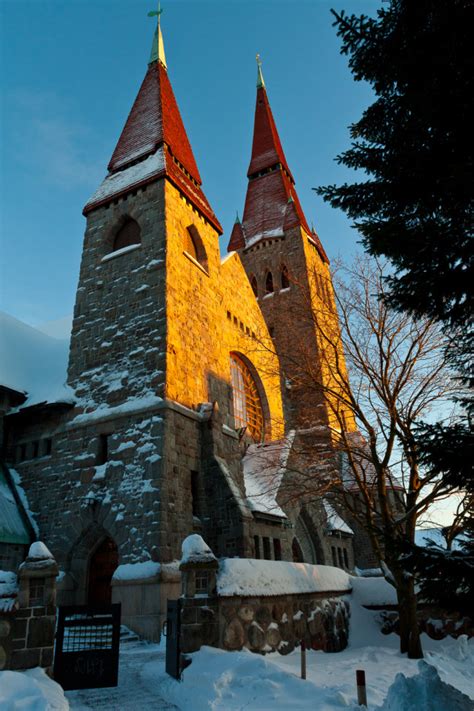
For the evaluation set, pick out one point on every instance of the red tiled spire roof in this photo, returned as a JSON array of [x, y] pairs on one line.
[[267, 150], [154, 120], [155, 126], [237, 239], [272, 204]]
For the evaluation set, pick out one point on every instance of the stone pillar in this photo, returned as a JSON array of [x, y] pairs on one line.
[[199, 618], [34, 625]]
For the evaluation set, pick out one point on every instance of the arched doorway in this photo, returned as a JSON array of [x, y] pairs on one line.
[[102, 565]]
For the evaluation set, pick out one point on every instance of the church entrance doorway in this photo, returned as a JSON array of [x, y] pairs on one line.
[[102, 565]]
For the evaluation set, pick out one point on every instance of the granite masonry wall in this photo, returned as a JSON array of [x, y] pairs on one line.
[[259, 623], [28, 616]]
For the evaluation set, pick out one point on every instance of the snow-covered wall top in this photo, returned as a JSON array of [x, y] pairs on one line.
[[32, 362], [245, 576]]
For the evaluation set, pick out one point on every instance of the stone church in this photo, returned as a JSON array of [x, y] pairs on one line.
[[187, 404]]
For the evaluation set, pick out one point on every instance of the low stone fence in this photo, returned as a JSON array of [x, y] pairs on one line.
[[264, 606], [28, 611]]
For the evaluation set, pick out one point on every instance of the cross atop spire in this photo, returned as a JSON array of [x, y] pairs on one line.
[[260, 79], [158, 47]]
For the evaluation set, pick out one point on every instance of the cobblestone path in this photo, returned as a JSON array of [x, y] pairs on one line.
[[131, 694]]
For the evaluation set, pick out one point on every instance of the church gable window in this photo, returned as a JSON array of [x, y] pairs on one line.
[[248, 410], [128, 234], [193, 246], [269, 283]]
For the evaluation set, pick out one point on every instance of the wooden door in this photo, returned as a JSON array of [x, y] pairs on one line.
[[102, 565]]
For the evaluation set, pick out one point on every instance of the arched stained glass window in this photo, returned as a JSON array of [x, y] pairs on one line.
[[127, 235], [247, 405]]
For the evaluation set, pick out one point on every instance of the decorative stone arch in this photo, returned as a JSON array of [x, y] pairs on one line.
[[266, 430], [125, 231], [81, 556], [307, 534], [193, 246]]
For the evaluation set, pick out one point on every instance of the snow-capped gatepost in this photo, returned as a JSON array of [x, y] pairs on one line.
[[28, 611], [199, 601]]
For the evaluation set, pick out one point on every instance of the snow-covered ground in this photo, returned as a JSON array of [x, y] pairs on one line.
[[227, 681], [231, 681]]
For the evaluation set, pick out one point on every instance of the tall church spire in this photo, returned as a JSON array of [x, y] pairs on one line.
[[154, 143], [272, 206]]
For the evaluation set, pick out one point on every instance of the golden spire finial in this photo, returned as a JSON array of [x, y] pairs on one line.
[[260, 80], [158, 47]]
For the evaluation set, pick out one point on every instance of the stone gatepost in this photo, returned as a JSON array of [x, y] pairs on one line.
[[34, 624], [199, 614]]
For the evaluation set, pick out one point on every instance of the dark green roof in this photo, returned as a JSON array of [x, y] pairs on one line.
[[13, 527]]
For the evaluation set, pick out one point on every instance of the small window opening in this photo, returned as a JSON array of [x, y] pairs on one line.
[[334, 556], [339, 557], [127, 235], [346, 559], [102, 449], [194, 246], [202, 582], [194, 493], [277, 549], [285, 282], [37, 591], [269, 284], [256, 543], [271, 331], [48, 446], [35, 447], [267, 552], [298, 556], [254, 285]]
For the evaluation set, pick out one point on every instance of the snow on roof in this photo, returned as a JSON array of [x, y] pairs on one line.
[[137, 571], [32, 362], [196, 550], [117, 182], [334, 522], [245, 576], [373, 591], [424, 537], [264, 466]]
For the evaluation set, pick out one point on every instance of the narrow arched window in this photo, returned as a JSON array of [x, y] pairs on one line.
[[127, 235], [193, 246], [254, 285], [285, 281], [269, 283], [189, 245], [248, 410]]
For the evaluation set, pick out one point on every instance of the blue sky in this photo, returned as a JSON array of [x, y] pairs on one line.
[[71, 71]]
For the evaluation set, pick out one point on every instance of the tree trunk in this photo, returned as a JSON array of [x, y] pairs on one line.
[[410, 641]]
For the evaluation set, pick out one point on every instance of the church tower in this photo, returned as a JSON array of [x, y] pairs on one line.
[[289, 273]]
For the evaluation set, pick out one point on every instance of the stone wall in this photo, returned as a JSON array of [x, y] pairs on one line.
[[260, 623], [28, 614]]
